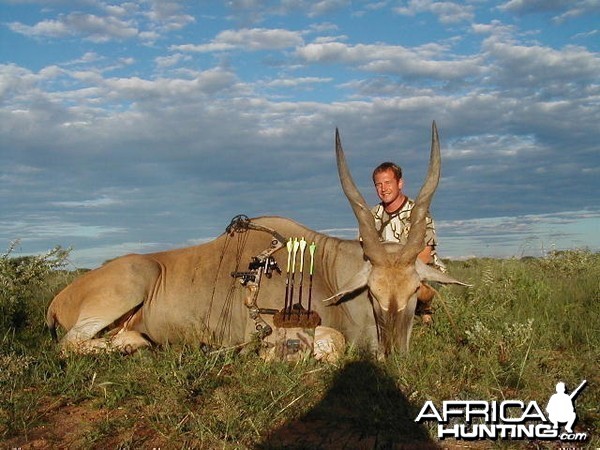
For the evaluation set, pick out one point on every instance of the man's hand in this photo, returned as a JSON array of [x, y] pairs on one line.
[[425, 255]]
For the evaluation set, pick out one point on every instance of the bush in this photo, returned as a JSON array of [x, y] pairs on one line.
[[21, 281]]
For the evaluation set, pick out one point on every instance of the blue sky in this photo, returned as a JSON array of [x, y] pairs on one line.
[[143, 126]]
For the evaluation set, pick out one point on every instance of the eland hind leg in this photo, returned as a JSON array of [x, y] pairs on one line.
[[105, 299]]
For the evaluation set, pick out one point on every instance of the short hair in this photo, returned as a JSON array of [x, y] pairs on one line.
[[388, 166]]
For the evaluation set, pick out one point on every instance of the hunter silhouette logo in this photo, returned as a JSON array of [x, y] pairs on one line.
[[561, 406], [507, 419]]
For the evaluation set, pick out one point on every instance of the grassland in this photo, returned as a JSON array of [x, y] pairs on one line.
[[524, 325]]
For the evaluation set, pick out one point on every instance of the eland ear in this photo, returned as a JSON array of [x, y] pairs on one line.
[[428, 273], [358, 281]]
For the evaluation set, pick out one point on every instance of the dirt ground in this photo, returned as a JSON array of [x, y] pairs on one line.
[[70, 427]]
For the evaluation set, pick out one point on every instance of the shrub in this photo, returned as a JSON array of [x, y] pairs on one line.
[[21, 281]]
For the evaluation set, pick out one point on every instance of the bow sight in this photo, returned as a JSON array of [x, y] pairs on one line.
[[267, 265]]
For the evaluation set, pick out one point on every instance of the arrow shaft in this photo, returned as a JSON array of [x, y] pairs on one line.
[[291, 302], [310, 283], [300, 288]]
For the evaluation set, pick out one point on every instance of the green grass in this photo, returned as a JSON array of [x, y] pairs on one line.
[[523, 326]]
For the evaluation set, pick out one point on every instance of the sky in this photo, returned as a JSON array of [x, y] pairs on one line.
[[142, 126]]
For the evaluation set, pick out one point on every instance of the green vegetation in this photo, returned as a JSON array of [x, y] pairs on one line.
[[523, 326]]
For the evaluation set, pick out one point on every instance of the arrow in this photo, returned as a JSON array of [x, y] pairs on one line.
[[302, 245], [311, 250], [295, 246], [289, 246]]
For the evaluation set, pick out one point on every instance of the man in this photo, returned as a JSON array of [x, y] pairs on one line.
[[392, 220]]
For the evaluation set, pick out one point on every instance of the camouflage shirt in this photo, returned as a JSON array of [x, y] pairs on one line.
[[394, 227]]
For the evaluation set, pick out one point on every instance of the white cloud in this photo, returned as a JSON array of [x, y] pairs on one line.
[[320, 7], [256, 11], [135, 88], [170, 60], [426, 61], [517, 236], [446, 11], [260, 38], [54, 228], [101, 202], [294, 82], [14, 80], [92, 27], [203, 48], [167, 14], [254, 39], [565, 9], [537, 65], [51, 28], [324, 27], [147, 21]]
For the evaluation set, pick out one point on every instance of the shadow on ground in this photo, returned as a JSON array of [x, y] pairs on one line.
[[363, 410]]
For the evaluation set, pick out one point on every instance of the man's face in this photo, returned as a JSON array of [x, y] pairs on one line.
[[388, 187]]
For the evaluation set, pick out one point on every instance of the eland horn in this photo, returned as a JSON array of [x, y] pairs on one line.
[[372, 246], [416, 236]]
